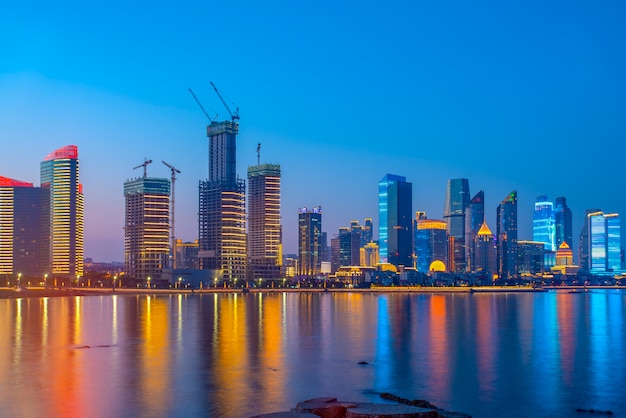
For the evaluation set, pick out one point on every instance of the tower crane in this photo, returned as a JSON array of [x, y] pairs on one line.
[[145, 167], [258, 154], [202, 107], [234, 116], [173, 236]]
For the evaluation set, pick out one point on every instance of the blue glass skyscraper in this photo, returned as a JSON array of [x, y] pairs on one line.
[[506, 218], [563, 222], [395, 196], [544, 225], [474, 218], [457, 200], [604, 243]]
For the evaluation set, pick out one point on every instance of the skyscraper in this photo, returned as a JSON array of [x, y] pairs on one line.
[[485, 256], [395, 200], [309, 241], [474, 219], [583, 243], [222, 209], [431, 243], [63, 215], [544, 226], [457, 200], [146, 227], [604, 243], [368, 230], [506, 218], [264, 230], [563, 222], [20, 237]]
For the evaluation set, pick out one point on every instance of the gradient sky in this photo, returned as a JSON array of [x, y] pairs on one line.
[[511, 95]]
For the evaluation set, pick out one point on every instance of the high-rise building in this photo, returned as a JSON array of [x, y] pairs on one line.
[[63, 213], [395, 200], [264, 231], [457, 200], [20, 235], [309, 241], [431, 243], [530, 257], [474, 219], [369, 255], [146, 227], [506, 218], [604, 243], [544, 226], [563, 222], [368, 231], [349, 245], [583, 243], [485, 255], [222, 207]]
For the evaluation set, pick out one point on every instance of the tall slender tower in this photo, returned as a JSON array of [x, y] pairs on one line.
[[62, 213], [309, 241], [395, 200], [457, 200], [264, 232], [604, 238], [563, 221], [146, 227], [222, 212], [544, 227], [507, 236], [474, 219]]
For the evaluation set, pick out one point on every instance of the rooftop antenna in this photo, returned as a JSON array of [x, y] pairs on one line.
[[145, 167]]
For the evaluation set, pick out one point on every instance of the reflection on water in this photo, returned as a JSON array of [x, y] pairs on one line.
[[235, 355]]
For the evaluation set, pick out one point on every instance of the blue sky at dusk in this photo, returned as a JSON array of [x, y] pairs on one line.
[[511, 95]]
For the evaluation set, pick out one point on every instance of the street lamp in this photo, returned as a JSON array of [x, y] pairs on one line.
[[149, 278], [215, 282], [45, 280], [180, 279], [19, 279]]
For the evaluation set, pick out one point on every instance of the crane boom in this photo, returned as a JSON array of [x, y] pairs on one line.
[[234, 116], [145, 167], [202, 107]]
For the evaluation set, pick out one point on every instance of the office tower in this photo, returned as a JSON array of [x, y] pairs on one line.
[[395, 196], [457, 200], [485, 251], [63, 213], [222, 208], [583, 243], [544, 226], [431, 243], [264, 231], [325, 247], [335, 254], [20, 236], [563, 222], [309, 241], [369, 255], [368, 231], [474, 219], [530, 257], [349, 245], [506, 218], [146, 227], [604, 243]]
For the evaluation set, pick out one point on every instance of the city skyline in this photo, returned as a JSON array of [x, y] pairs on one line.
[[514, 97]]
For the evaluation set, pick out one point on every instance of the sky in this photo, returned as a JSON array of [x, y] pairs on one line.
[[517, 95]]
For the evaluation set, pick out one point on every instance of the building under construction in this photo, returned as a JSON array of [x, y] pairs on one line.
[[147, 227], [222, 211], [264, 231]]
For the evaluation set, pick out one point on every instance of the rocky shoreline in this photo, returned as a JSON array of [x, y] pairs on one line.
[[329, 407]]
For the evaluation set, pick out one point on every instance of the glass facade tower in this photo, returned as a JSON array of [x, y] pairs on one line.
[[563, 222], [457, 201], [506, 218], [474, 218], [395, 200], [604, 243], [544, 225], [309, 241]]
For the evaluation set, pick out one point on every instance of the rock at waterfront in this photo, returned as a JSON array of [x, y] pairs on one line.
[[390, 411], [290, 414]]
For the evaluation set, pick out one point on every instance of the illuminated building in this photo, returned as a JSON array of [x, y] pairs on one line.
[[474, 219], [62, 213], [530, 257], [222, 207], [506, 235], [563, 222], [264, 231], [20, 236], [544, 226], [309, 241], [186, 255], [457, 200], [146, 227], [395, 200], [369, 255], [368, 230], [431, 243], [604, 243], [485, 251], [565, 260]]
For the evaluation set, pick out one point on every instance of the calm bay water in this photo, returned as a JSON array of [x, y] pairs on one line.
[[235, 355]]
